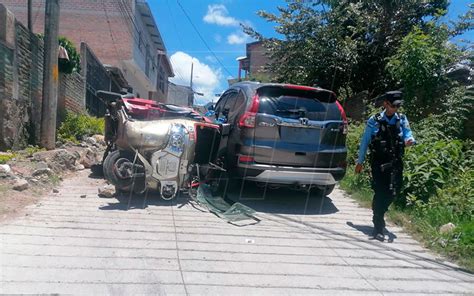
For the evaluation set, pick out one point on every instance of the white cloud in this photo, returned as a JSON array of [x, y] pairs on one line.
[[238, 38], [205, 79], [219, 15], [218, 38]]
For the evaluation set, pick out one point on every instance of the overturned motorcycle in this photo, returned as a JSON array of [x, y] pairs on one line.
[[170, 149]]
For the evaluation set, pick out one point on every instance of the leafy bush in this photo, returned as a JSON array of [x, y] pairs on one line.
[[74, 62], [4, 157], [449, 122], [428, 167], [452, 204], [77, 126]]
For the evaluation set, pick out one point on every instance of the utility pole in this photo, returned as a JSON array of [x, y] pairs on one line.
[[191, 80], [30, 19], [50, 75]]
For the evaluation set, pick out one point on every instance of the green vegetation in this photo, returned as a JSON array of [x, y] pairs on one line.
[[438, 189], [4, 157], [30, 150], [74, 62], [78, 126], [375, 46]]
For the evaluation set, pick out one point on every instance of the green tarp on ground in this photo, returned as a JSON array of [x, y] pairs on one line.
[[217, 205]]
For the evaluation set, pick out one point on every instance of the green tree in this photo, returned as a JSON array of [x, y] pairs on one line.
[[74, 62], [420, 65], [343, 45]]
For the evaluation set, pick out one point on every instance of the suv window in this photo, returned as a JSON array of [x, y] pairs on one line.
[[234, 103], [297, 107], [220, 104]]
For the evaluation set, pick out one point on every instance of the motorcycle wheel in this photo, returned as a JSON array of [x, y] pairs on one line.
[[118, 169]]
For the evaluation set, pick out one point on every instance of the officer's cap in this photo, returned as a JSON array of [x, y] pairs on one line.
[[394, 97]]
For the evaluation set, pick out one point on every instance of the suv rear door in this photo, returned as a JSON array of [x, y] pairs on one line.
[[298, 126]]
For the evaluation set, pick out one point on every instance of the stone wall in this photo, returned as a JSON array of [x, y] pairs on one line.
[[21, 68], [21, 81]]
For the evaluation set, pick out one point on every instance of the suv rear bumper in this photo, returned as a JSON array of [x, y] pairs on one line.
[[290, 175]]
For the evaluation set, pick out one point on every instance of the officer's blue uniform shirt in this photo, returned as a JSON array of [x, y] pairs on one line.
[[372, 128]]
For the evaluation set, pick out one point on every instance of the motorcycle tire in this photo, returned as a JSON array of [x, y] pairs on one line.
[[107, 164], [111, 164]]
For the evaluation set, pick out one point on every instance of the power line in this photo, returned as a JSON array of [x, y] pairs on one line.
[[202, 39], [174, 23], [110, 30]]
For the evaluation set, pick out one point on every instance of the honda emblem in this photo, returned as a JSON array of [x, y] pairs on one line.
[[304, 121]]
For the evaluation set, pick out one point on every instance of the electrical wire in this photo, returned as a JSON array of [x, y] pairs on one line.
[[202, 38], [110, 31]]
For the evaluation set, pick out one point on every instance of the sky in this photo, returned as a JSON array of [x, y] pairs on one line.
[[217, 22]]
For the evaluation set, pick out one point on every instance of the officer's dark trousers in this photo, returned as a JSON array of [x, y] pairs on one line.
[[383, 196]]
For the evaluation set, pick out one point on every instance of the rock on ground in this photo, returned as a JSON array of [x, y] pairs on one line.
[[20, 185]]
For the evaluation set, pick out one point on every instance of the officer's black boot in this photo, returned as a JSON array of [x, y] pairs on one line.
[[379, 225]]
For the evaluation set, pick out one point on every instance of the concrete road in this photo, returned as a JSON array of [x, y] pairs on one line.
[[92, 245]]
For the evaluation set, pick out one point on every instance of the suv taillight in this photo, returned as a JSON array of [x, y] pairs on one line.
[[248, 118], [344, 118]]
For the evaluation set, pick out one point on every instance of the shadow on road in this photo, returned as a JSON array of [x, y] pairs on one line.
[[126, 201], [281, 201], [367, 230]]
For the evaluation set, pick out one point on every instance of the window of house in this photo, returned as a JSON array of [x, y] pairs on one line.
[[161, 80]]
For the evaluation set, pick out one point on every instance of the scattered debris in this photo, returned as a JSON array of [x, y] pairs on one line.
[[41, 165], [34, 181], [91, 141], [5, 168], [107, 191], [40, 172], [20, 185], [88, 158], [55, 190], [79, 167]]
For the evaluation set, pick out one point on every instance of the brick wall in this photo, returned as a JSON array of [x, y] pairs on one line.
[[71, 94], [103, 25], [256, 53]]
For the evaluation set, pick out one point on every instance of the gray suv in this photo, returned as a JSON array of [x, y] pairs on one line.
[[282, 135]]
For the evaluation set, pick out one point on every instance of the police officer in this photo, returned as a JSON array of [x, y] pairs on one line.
[[386, 134]]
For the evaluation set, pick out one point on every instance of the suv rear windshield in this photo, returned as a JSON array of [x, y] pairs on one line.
[[297, 107]]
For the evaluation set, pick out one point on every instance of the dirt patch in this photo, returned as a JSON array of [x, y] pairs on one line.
[[31, 174]]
